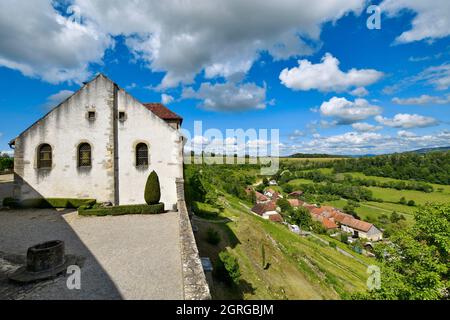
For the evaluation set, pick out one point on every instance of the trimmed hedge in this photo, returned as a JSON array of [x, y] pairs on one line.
[[122, 210], [48, 203], [204, 210]]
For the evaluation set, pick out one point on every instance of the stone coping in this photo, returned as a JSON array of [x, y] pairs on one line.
[[195, 286]]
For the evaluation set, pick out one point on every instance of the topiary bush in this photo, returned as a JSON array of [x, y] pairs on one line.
[[152, 193]]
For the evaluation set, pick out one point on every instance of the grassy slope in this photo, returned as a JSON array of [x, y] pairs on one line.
[[300, 268]]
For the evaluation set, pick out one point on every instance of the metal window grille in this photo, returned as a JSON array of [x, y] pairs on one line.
[[45, 156], [141, 154], [84, 155]]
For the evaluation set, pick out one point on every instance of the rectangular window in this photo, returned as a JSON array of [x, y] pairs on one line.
[[91, 115], [122, 116]]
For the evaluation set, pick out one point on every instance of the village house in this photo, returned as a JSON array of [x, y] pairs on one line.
[[99, 143], [260, 198], [295, 203], [295, 194], [267, 211], [332, 218], [272, 194]]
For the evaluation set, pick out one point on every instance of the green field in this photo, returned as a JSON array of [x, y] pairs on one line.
[[394, 195]]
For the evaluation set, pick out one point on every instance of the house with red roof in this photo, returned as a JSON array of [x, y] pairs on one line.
[[267, 211]]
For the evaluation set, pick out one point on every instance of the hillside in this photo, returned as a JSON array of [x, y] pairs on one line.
[[298, 267]]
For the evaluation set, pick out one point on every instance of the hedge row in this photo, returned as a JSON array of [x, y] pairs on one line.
[[121, 210], [48, 203], [204, 210]]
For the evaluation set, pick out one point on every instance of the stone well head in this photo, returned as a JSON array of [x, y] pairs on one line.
[[44, 260], [45, 256]]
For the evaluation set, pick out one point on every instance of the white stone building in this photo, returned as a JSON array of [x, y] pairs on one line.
[[99, 143]]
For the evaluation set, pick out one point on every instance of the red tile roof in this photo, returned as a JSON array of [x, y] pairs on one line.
[[357, 224], [260, 196], [296, 193], [295, 202], [162, 111], [261, 208], [275, 218]]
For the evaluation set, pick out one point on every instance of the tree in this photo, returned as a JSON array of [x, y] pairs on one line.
[[227, 268], [6, 162], [302, 217], [287, 188], [284, 205], [415, 265], [411, 203], [395, 217], [152, 193]]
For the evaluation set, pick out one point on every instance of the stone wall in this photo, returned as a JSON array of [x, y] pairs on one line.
[[195, 285]]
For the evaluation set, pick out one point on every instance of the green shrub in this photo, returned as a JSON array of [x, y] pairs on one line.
[[152, 193], [10, 202], [122, 210], [204, 210], [212, 237], [48, 203], [227, 268]]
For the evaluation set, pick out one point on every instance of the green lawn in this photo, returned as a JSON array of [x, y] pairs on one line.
[[394, 195], [298, 182]]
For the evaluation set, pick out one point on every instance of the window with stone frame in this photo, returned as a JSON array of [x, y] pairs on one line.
[[45, 156], [141, 155], [84, 155]]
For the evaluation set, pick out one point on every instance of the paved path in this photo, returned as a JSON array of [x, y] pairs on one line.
[[126, 257]]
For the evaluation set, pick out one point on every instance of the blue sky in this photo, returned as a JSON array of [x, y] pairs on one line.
[[355, 91]]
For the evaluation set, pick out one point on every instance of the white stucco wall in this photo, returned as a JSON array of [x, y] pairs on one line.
[[64, 129], [67, 126], [165, 152]]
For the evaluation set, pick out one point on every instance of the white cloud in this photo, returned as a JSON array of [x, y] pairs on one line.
[[365, 127], [228, 96], [405, 120], [370, 143], [57, 98], [166, 99], [346, 111], [436, 76], [326, 76], [422, 100], [40, 42], [430, 22], [406, 134], [221, 38], [359, 92]]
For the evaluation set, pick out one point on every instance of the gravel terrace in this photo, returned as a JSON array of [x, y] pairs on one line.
[[125, 257]]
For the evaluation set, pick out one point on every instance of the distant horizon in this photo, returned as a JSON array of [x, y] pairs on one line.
[[331, 77]]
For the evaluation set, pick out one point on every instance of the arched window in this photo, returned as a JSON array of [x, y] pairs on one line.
[[84, 155], [141, 155], [45, 156]]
